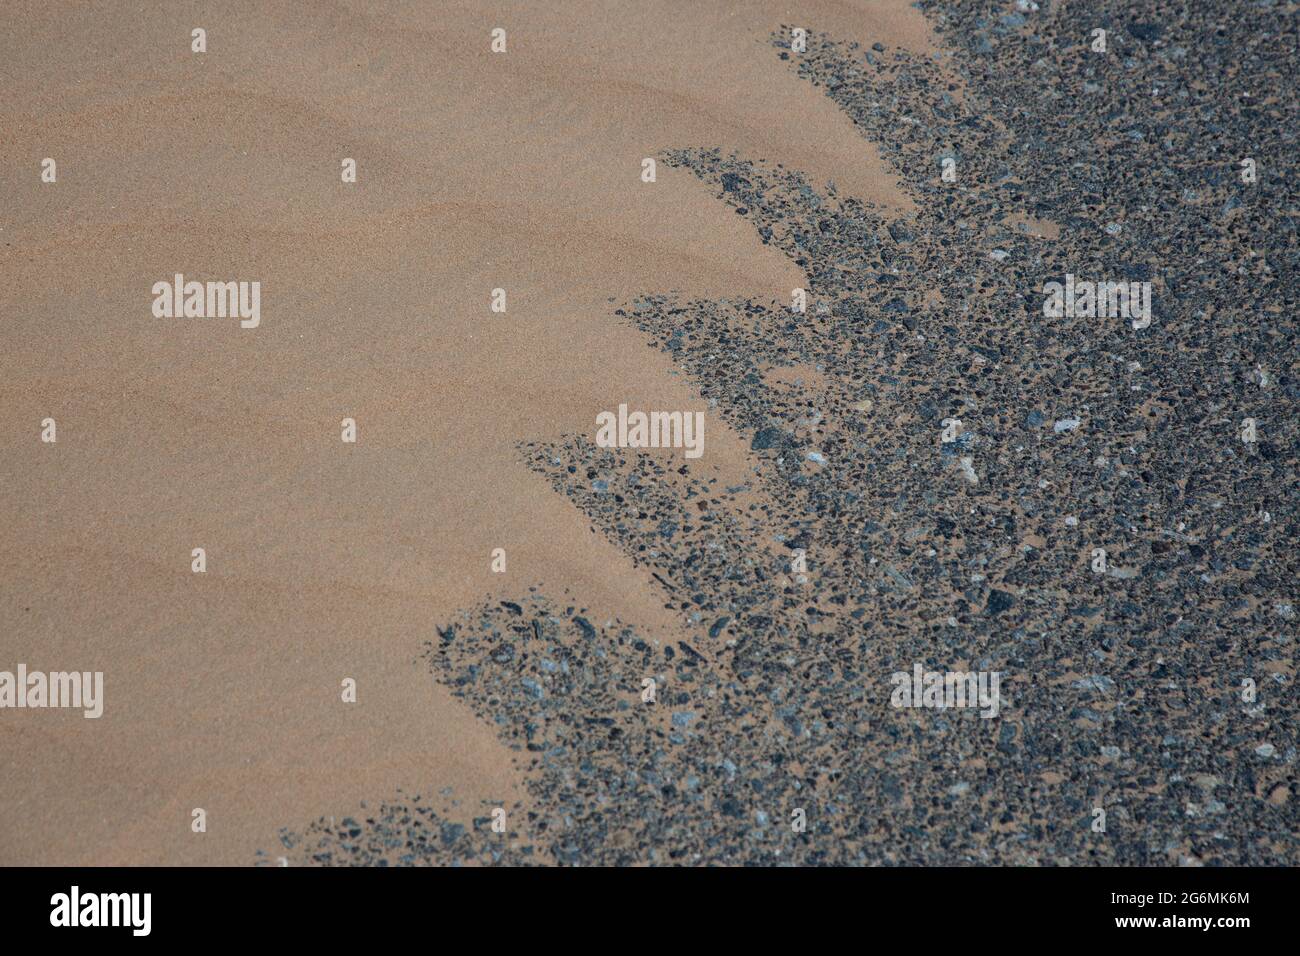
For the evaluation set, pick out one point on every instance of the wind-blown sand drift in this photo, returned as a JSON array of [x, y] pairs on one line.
[[838, 529]]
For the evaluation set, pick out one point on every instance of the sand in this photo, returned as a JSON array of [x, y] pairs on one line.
[[329, 560]]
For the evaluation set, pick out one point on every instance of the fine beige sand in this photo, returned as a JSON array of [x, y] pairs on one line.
[[327, 560]]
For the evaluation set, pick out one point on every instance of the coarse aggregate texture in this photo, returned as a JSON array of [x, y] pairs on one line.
[[1123, 689]]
